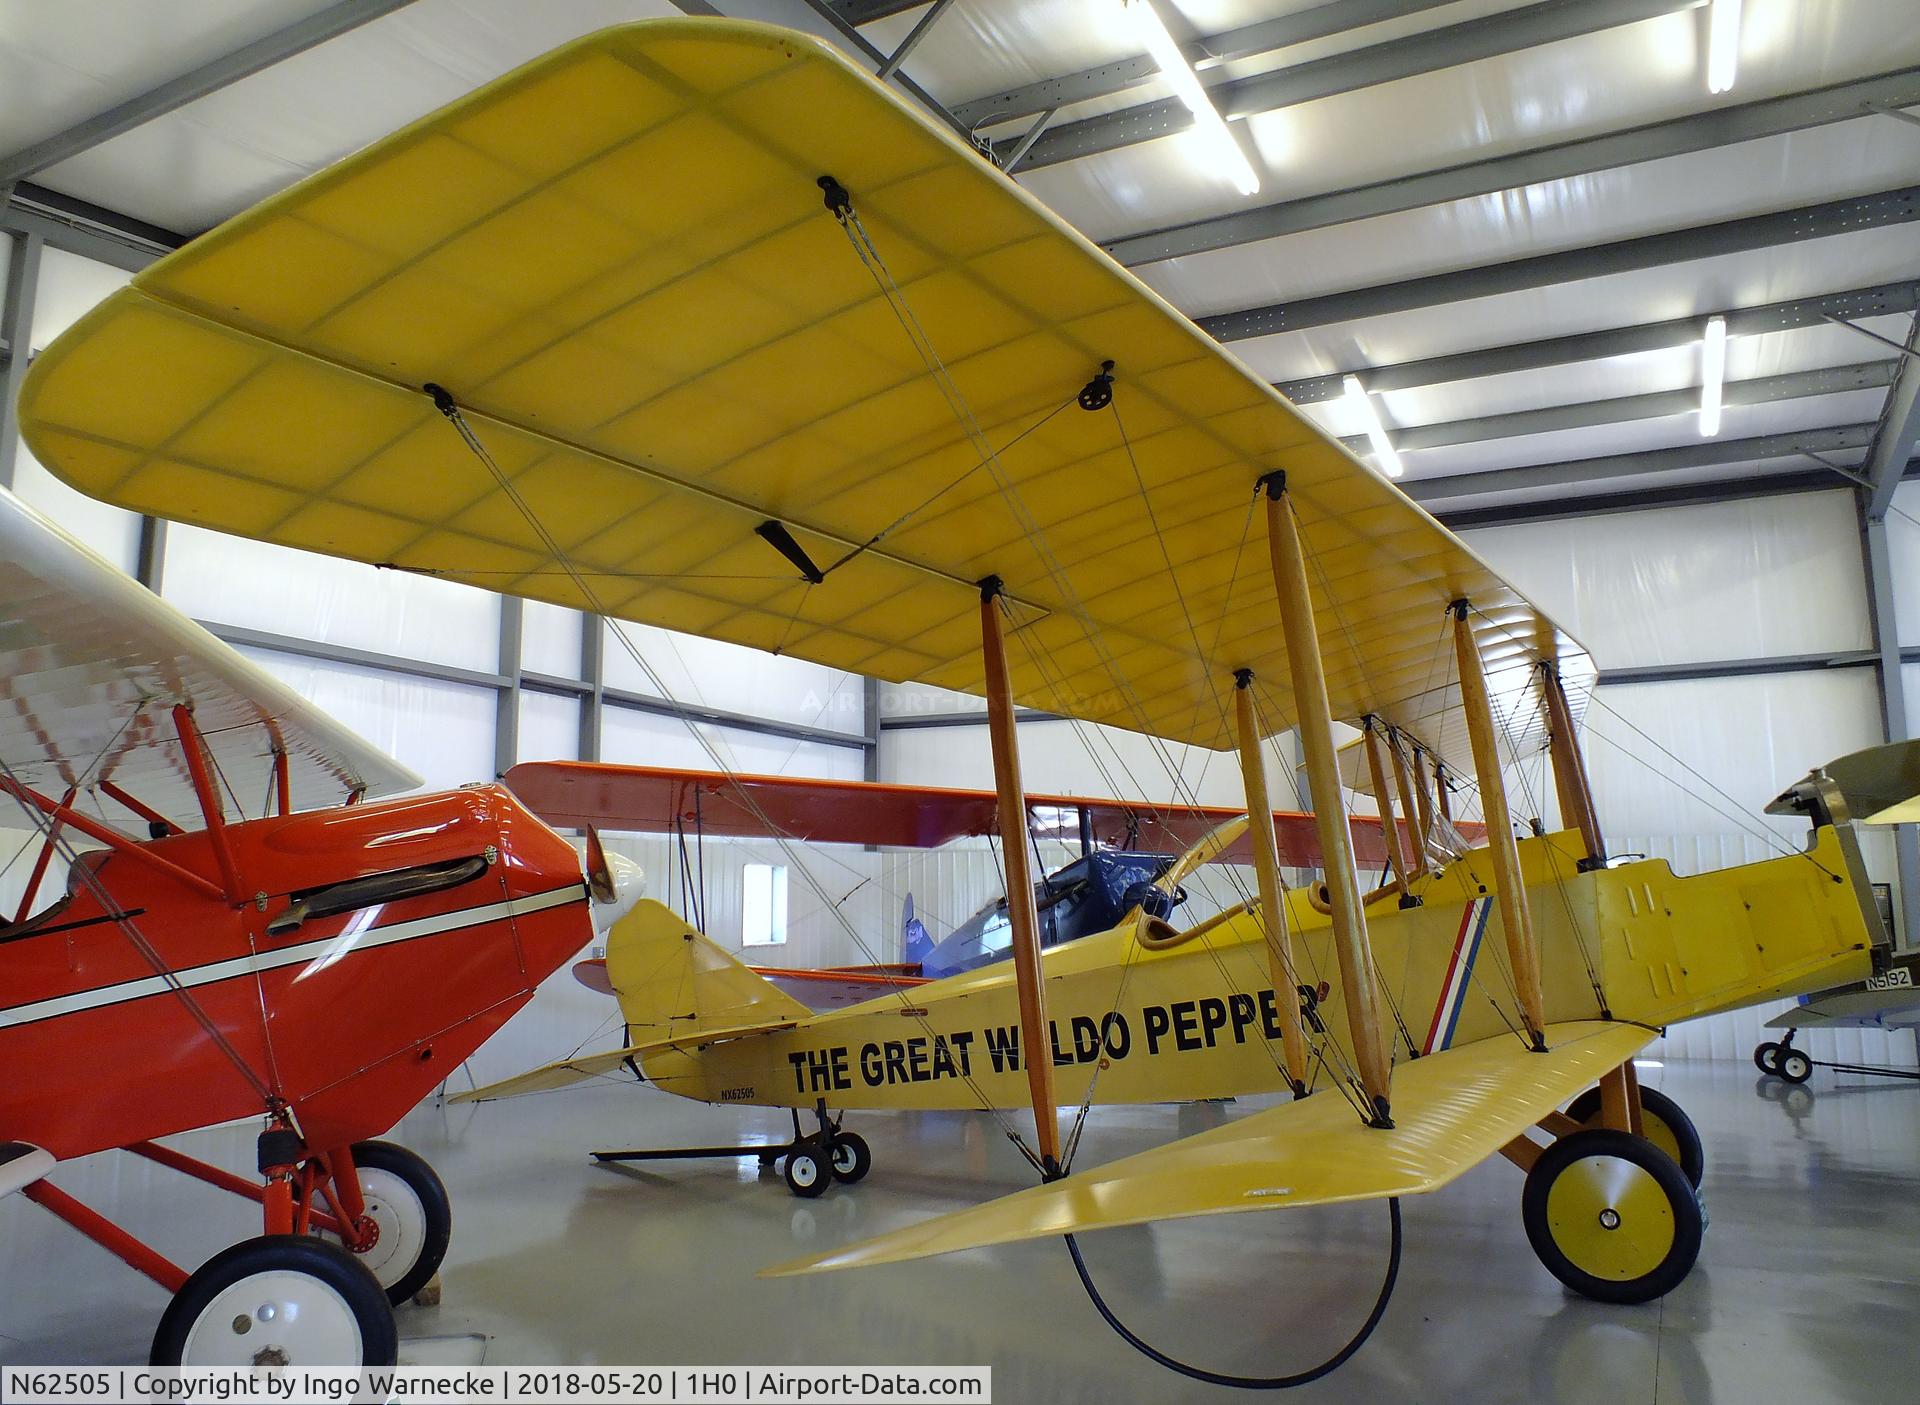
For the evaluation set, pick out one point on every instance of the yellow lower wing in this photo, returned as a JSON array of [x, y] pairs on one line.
[[570, 1071], [1452, 1111]]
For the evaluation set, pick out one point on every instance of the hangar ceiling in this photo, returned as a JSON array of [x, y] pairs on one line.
[[1510, 220]]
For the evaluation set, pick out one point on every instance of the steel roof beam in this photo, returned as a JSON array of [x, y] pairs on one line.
[[858, 12], [912, 41], [1738, 668], [1757, 320], [1700, 131], [1585, 414], [1705, 454], [1104, 80], [1641, 499], [1887, 207], [1488, 37], [830, 11], [209, 77], [17, 296], [79, 227], [1897, 437]]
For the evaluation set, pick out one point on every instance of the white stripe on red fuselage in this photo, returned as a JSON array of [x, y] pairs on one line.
[[337, 947]]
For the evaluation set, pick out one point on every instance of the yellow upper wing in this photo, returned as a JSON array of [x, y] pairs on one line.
[[1452, 1111], [618, 260]]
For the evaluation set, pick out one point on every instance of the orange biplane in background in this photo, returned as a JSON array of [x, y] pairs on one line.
[[317, 968]]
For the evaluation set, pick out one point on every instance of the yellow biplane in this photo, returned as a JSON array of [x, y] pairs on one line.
[[692, 323]]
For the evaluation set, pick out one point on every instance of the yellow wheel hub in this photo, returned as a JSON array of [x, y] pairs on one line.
[[1610, 1218], [1655, 1129]]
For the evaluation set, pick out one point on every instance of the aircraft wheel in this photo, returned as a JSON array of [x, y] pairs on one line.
[[1612, 1216], [1795, 1066], [409, 1207], [1665, 1125], [1766, 1057], [807, 1172], [278, 1300], [852, 1158]]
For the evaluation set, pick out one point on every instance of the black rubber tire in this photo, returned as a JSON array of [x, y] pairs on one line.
[[1795, 1067], [1766, 1057], [1585, 1110], [852, 1158], [424, 1182], [1689, 1222], [287, 1253], [808, 1173]]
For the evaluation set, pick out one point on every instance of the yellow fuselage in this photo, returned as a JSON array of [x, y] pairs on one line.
[[1201, 1019]]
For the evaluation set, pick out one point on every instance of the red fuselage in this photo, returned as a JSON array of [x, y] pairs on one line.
[[462, 902]]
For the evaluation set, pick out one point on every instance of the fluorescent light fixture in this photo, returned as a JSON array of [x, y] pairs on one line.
[[1210, 128], [1384, 454], [1723, 45], [1713, 375]]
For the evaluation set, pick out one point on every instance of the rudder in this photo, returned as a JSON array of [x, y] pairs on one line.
[[672, 981]]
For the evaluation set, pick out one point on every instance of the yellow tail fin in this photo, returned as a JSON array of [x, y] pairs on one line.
[[672, 981]]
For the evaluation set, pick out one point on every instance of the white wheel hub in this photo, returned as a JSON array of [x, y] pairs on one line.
[[402, 1221], [844, 1158], [276, 1318], [805, 1170]]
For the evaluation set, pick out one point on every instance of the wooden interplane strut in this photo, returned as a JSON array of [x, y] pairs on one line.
[[1423, 797], [1414, 846], [1570, 767], [1266, 867], [1523, 953], [1315, 721], [1036, 1043], [1398, 859]]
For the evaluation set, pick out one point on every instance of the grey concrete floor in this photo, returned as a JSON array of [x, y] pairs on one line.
[[1807, 1290]]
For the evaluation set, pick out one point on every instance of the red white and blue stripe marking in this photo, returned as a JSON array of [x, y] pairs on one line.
[[1453, 990]]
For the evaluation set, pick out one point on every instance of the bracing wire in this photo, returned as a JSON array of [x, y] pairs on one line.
[[1732, 811], [56, 836], [869, 256], [451, 410]]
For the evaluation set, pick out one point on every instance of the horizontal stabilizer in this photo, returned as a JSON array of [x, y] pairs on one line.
[[1890, 1001], [1881, 784], [1452, 1110], [578, 1070], [852, 985]]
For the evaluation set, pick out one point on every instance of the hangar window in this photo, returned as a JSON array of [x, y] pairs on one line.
[[763, 909]]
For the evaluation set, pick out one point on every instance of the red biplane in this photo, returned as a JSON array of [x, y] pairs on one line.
[[320, 969], [696, 805]]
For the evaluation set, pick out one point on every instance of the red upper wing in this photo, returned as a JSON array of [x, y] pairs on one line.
[[657, 799]]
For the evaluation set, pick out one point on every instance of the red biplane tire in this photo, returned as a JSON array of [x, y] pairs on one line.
[[281, 1299], [410, 1206], [1611, 1216], [852, 1158], [1766, 1057], [1665, 1125], [1795, 1066], [807, 1173]]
